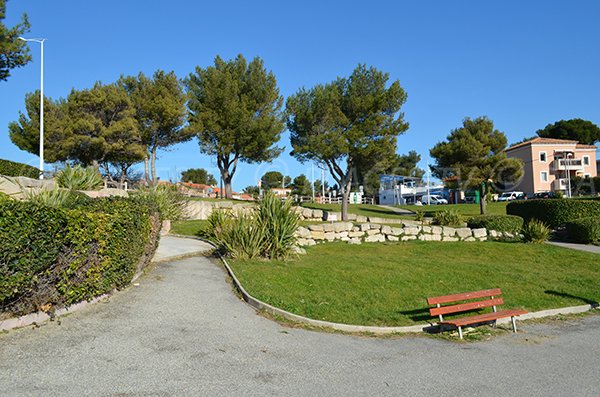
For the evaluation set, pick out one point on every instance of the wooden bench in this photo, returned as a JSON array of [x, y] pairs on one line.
[[455, 307]]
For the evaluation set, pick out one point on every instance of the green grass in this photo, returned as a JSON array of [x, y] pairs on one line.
[[216, 200], [386, 284], [466, 210], [359, 209], [188, 228]]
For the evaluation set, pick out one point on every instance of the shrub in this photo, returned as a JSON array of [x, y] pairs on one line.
[[57, 198], [500, 223], [12, 168], [554, 212], [168, 199], [447, 218], [419, 216], [79, 178], [279, 222], [584, 230], [536, 231], [56, 256]]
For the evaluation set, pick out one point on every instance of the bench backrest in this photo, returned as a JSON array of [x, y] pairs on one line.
[[440, 310]]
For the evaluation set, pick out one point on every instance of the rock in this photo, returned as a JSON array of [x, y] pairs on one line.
[[356, 234], [315, 228], [354, 241], [426, 229], [328, 227], [307, 213], [318, 235], [408, 238], [342, 226], [197, 210], [450, 238], [317, 214], [397, 231], [310, 242], [345, 238], [375, 226], [342, 234], [448, 231], [411, 231], [471, 238], [375, 238], [330, 236], [509, 235], [352, 217], [386, 229], [393, 238], [482, 238], [372, 232], [479, 233], [430, 237], [223, 204], [332, 216], [463, 232], [355, 228], [361, 219], [492, 233], [302, 232], [298, 250], [436, 230], [364, 227]]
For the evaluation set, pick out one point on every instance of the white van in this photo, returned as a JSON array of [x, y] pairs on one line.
[[510, 196], [433, 199]]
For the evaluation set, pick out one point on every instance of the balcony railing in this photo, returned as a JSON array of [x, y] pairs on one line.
[[567, 165]]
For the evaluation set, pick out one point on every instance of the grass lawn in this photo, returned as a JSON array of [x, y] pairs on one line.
[[359, 209], [188, 228], [466, 210], [386, 284]]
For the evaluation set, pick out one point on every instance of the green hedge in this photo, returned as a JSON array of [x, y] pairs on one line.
[[11, 168], [499, 223], [554, 212], [52, 257], [584, 230]]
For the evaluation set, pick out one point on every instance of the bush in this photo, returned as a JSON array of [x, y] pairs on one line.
[[169, 201], [419, 216], [56, 256], [79, 178], [584, 230], [501, 223], [12, 168], [57, 198], [536, 232], [447, 218], [554, 212], [279, 222]]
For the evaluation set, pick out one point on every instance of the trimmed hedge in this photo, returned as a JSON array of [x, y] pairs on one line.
[[554, 212], [12, 168], [584, 230], [52, 257], [499, 223]]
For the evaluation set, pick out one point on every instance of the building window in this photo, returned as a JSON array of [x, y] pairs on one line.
[[586, 160], [544, 176], [542, 157], [587, 175]]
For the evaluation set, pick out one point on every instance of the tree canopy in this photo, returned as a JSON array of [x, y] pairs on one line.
[[198, 175], [583, 131], [301, 186], [273, 179], [159, 108], [235, 110], [348, 122], [474, 153], [14, 53]]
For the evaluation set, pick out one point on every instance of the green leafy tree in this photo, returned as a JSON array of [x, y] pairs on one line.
[[474, 155], [273, 179], [301, 186], [235, 109], [583, 131], [253, 191], [348, 122], [198, 175], [398, 164], [14, 53], [160, 110]]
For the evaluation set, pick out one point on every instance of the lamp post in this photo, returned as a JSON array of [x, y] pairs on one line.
[[41, 41]]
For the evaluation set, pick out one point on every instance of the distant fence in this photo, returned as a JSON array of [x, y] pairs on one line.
[[330, 200]]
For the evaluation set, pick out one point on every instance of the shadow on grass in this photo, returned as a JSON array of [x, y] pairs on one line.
[[419, 315], [591, 302]]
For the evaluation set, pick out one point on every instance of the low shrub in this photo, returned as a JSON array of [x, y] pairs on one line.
[[419, 216], [447, 218], [500, 223], [584, 230], [536, 231], [279, 222], [51, 257], [554, 212], [79, 178], [168, 199], [12, 168]]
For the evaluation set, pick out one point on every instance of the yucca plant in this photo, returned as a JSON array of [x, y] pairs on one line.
[[447, 218], [279, 222], [169, 201], [58, 198], [536, 232], [79, 178]]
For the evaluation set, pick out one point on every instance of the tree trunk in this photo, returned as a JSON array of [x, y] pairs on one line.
[[482, 198], [146, 170], [153, 167], [227, 182]]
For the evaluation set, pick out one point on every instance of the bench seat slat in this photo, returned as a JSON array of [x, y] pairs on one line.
[[464, 296], [463, 307], [460, 322]]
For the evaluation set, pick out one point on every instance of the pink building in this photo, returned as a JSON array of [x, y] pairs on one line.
[[551, 163]]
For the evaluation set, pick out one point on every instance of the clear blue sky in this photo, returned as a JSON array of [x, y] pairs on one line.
[[524, 64]]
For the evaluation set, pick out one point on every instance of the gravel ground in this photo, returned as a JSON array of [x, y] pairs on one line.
[[182, 332]]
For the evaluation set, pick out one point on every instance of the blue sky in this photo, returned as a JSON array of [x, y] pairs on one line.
[[524, 64]]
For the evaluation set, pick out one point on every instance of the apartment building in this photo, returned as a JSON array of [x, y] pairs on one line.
[[551, 163]]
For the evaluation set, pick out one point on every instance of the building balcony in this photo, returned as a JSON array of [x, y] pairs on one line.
[[560, 184], [567, 165]]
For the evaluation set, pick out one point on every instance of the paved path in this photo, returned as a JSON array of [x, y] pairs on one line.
[[580, 247], [397, 210], [182, 332], [171, 247]]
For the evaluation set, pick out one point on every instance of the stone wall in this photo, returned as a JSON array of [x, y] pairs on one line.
[[201, 210], [373, 232], [320, 215]]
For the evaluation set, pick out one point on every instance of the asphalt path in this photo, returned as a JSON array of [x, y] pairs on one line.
[[183, 332]]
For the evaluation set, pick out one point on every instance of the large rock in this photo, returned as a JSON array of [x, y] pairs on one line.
[[408, 238], [392, 238], [436, 230], [361, 219], [332, 216], [223, 204], [328, 227], [430, 237], [372, 232], [315, 228], [110, 192], [18, 187], [354, 241], [411, 231], [317, 235], [307, 213], [356, 234], [375, 238], [302, 232], [364, 227], [385, 229], [351, 217], [397, 231], [317, 214], [448, 231], [446, 238], [373, 219], [479, 233], [330, 236], [463, 232], [306, 242], [342, 226]]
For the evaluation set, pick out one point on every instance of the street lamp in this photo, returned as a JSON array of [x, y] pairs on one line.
[[41, 41]]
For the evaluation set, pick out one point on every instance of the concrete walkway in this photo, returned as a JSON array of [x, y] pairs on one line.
[[397, 210], [580, 247], [182, 332], [171, 247]]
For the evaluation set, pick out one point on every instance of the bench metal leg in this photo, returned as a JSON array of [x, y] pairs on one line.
[[514, 324], [460, 332]]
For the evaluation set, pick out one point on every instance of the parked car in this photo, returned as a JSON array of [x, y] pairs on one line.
[[543, 195], [433, 199], [510, 196]]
